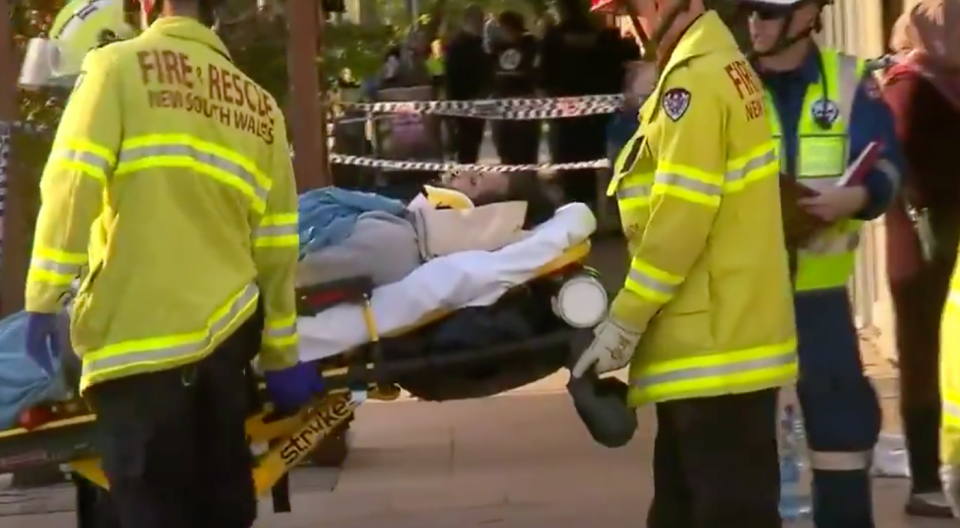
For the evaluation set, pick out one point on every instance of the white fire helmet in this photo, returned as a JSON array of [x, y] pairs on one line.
[[81, 26]]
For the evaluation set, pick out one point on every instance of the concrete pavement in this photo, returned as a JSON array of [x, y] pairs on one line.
[[515, 461]]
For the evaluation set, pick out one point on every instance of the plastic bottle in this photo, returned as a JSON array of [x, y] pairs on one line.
[[795, 502]]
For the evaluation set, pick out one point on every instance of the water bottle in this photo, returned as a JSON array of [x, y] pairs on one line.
[[795, 501]]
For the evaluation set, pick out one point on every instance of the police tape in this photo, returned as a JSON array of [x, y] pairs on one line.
[[518, 108], [431, 166]]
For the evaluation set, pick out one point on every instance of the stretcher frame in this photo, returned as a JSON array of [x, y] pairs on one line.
[[292, 438]]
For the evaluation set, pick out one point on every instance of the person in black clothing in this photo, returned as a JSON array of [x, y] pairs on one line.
[[467, 77], [576, 60], [515, 75]]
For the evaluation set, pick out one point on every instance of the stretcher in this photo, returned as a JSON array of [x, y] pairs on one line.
[[379, 369]]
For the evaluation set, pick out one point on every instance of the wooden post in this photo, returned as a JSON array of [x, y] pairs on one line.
[[17, 229], [309, 160]]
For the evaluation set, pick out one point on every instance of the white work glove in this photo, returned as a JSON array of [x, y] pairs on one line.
[[612, 347], [950, 477]]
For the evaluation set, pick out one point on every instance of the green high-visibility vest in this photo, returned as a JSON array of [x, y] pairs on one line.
[[829, 259]]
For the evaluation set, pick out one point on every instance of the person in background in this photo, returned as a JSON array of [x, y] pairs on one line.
[[574, 63], [435, 63], [514, 56], [467, 78], [922, 89], [824, 108]]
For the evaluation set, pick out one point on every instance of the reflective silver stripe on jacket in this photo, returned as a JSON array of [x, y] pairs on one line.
[[120, 360], [131, 155], [276, 230], [679, 180], [693, 373], [751, 165]]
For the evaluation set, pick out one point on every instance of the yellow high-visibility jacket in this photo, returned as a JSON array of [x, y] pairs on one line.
[[182, 164], [950, 375], [699, 199]]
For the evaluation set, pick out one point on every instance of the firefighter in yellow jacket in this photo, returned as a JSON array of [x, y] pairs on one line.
[[705, 316], [181, 165]]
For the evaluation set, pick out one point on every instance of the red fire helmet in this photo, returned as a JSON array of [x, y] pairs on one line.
[[604, 6]]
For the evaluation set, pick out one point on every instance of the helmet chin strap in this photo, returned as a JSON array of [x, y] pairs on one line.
[[649, 43]]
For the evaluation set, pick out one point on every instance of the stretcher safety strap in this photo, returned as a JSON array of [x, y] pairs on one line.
[[723, 370], [131, 356], [521, 108], [182, 151]]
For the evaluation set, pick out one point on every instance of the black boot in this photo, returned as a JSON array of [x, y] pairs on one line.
[[922, 431]]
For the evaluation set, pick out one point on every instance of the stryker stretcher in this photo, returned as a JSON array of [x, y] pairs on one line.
[[363, 340]]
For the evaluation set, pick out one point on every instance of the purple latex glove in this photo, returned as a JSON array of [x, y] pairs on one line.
[[43, 343], [294, 387]]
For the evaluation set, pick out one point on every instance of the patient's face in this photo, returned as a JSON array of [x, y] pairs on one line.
[[474, 184]]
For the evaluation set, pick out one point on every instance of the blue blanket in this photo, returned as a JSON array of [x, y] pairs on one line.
[[327, 217], [22, 382]]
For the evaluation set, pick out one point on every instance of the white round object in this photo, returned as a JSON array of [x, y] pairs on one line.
[[581, 302]]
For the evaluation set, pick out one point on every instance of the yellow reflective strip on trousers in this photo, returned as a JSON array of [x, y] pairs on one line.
[[182, 151], [716, 372], [153, 354]]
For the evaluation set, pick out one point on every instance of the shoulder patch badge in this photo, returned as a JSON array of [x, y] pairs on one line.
[[675, 102]]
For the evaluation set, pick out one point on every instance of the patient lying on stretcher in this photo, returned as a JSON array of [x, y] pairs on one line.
[[387, 245]]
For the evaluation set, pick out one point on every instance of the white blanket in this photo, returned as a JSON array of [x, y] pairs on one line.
[[471, 278]]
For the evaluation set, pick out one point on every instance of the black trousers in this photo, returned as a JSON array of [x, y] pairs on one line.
[[174, 444], [715, 463], [467, 138], [578, 139], [517, 142]]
